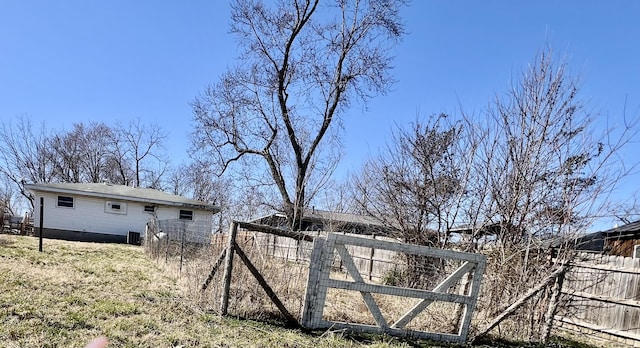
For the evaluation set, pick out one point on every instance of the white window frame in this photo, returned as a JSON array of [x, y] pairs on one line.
[[185, 214], [115, 207], [66, 201]]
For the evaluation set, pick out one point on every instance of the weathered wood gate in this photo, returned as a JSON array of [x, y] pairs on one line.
[[320, 281]]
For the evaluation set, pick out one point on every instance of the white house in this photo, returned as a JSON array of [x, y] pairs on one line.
[[107, 213]]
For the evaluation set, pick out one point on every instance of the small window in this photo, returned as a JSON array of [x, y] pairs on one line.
[[186, 215], [115, 207], [149, 209], [65, 201]]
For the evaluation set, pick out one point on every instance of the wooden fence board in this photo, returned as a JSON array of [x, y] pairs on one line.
[[375, 267], [604, 295]]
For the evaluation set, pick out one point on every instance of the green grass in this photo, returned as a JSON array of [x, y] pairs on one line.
[[73, 292]]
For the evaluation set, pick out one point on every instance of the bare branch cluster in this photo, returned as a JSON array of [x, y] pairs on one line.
[[300, 67], [529, 167], [523, 178], [123, 154]]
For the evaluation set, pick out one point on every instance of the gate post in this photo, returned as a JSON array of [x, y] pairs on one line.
[[310, 296], [231, 246]]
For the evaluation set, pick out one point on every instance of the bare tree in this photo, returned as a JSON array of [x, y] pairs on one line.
[[416, 185], [413, 182], [551, 168], [532, 171], [547, 171], [96, 151], [301, 66], [25, 155], [9, 197], [178, 181], [118, 167], [627, 212], [80, 155], [66, 149], [137, 152]]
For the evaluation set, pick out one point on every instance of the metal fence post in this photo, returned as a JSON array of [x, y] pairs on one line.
[[41, 223], [184, 230]]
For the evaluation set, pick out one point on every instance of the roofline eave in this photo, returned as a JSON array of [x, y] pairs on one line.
[[35, 188]]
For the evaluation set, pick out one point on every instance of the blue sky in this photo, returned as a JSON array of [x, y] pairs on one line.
[[67, 61]]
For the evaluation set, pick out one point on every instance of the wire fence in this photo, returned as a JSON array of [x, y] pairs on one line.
[[283, 263], [195, 255]]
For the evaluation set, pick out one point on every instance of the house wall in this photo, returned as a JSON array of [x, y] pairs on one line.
[[621, 247], [90, 217]]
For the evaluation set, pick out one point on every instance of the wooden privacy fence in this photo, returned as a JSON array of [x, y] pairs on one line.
[[320, 281], [603, 298], [374, 264]]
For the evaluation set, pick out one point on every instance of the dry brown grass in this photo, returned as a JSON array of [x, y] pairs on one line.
[[74, 292], [288, 280]]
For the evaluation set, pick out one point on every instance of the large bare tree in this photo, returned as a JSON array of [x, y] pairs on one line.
[[551, 168], [529, 173], [25, 154], [302, 63]]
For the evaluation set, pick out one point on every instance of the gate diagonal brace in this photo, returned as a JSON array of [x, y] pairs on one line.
[[444, 286], [214, 269], [265, 286], [320, 281], [368, 298]]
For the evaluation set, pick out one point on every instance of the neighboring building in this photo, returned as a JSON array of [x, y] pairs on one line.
[[106, 212], [323, 220], [621, 241]]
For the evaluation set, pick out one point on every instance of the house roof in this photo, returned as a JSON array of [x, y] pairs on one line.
[[122, 192], [630, 227], [478, 230], [325, 216], [596, 240]]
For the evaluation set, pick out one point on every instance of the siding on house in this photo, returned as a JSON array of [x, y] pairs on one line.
[[93, 217], [622, 247]]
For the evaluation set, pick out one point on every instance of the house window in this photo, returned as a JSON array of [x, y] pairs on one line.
[[149, 209], [186, 215], [65, 201], [115, 207]]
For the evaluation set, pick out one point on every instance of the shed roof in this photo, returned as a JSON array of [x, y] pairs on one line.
[[325, 216], [122, 192], [630, 227]]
